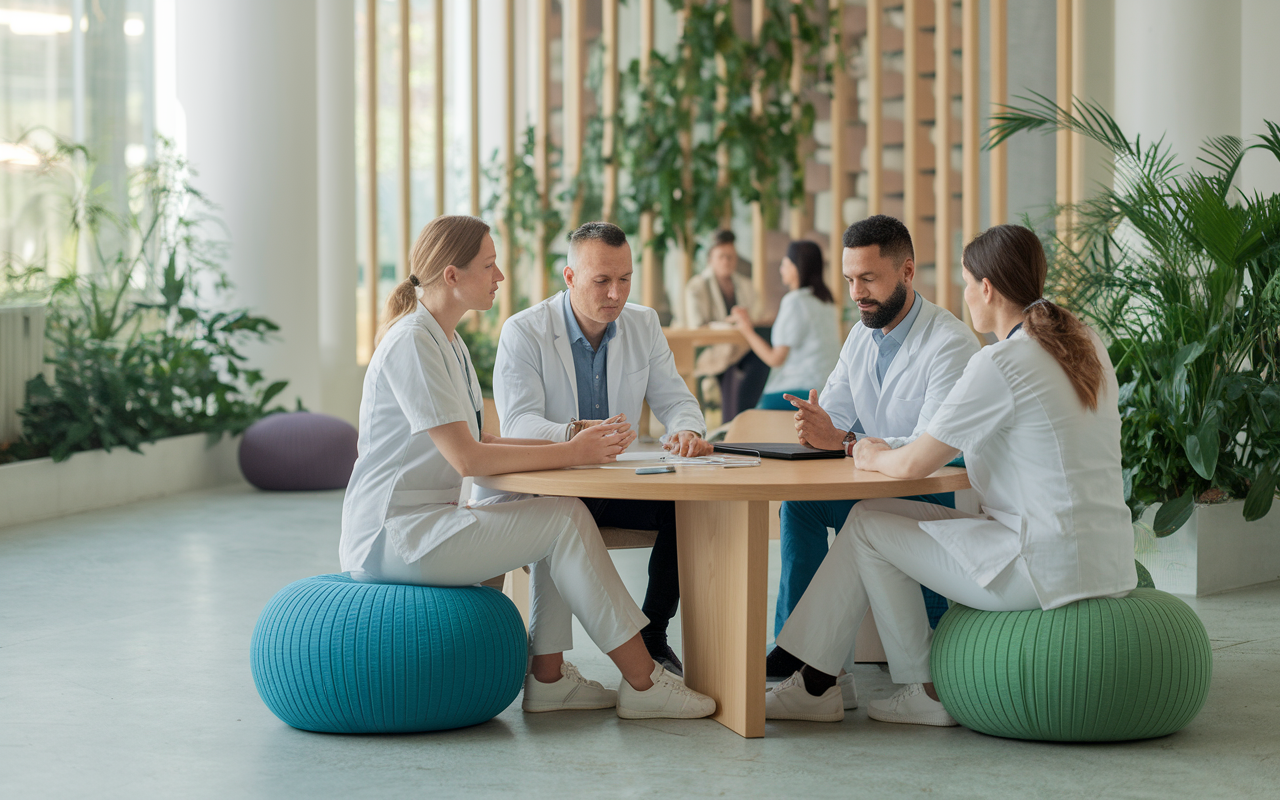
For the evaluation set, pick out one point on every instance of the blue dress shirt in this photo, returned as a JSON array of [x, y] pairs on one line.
[[589, 366], [890, 343]]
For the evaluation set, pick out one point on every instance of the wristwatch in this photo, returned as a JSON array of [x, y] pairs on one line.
[[850, 439]]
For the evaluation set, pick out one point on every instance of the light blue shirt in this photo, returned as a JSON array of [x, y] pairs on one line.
[[889, 344], [589, 366]]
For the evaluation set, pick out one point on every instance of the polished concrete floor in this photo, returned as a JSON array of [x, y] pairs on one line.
[[124, 673]]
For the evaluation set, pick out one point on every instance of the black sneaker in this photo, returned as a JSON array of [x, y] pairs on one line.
[[662, 653], [780, 665]]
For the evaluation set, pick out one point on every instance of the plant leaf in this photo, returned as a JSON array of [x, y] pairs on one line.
[[1202, 448], [1263, 491], [1174, 514]]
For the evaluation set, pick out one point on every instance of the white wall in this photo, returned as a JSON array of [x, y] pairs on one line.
[[1259, 96], [1177, 71], [267, 93]]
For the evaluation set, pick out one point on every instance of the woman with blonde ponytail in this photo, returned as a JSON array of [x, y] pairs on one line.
[[420, 434], [1037, 420]]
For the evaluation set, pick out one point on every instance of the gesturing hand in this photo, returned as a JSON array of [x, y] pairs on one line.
[[813, 425]]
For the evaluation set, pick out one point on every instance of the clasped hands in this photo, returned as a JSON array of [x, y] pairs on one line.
[[686, 444], [815, 429]]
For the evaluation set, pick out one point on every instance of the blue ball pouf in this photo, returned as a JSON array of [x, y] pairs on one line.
[[335, 655]]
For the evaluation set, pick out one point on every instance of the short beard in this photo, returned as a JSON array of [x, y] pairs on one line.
[[885, 312]]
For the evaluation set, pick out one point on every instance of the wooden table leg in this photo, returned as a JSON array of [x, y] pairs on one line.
[[723, 547], [682, 353]]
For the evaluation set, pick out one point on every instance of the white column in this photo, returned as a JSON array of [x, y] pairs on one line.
[[1177, 66], [1259, 99], [336, 182], [246, 80]]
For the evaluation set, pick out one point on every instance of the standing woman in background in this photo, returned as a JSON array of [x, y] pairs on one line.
[[1036, 416], [420, 433], [806, 341]]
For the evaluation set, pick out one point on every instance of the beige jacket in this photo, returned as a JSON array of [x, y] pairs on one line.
[[703, 304]]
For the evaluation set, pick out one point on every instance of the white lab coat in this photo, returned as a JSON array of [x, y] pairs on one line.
[[536, 389], [1046, 471], [921, 374], [403, 491]]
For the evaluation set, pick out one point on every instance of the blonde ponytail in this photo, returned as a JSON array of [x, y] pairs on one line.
[[444, 241]]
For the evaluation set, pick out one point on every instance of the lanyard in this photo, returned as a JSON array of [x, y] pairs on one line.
[[465, 364]]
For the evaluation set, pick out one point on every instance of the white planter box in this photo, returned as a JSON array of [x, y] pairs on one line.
[[1214, 552], [40, 489]]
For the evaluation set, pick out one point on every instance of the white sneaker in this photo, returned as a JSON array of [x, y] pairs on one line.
[[910, 705], [668, 698], [790, 700], [571, 692], [848, 692]]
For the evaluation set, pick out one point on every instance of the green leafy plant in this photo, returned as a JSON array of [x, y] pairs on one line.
[[1181, 272], [670, 126], [137, 355]]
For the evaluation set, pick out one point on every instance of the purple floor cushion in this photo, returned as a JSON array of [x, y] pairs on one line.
[[299, 451]]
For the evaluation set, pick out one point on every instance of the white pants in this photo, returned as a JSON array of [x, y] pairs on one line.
[[878, 560], [572, 572]]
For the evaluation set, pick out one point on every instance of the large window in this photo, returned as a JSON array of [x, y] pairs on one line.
[[83, 71]]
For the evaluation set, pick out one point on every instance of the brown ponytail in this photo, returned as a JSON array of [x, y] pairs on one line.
[[1012, 258], [444, 241]]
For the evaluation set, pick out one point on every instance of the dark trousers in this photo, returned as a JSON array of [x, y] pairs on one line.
[[741, 386], [663, 595]]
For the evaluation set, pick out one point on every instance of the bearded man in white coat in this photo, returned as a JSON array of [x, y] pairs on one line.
[[584, 356], [895, 369]]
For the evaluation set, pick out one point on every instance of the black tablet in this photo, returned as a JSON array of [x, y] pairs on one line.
[[790, 452]]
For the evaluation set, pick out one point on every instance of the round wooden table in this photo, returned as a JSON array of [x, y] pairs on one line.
[[722, 519]]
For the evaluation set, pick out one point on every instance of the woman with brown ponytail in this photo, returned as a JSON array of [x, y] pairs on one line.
[[420, 433], [1036, 417]]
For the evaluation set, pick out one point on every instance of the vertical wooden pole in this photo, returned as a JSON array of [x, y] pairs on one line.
[[942, 152], [439, 120], [910, 117], [650, 269], [722, 152], [686, 192], [609, 104], [839, 165], [507, 289], [371, 111], [759, 270], [406, 146], [1077, 90], [875, 107], [999, 156], [541, 157], [798, 221], [971, 209], [475, 108], [573, 14], [1063, 138]]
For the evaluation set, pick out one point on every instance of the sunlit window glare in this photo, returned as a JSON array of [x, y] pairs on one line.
[[34, 23], [134, 26]]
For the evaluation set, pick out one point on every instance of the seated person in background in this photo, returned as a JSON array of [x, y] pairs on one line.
[[805, 337], [1036, 416], [895, 369], [708, 297], [583, 356]]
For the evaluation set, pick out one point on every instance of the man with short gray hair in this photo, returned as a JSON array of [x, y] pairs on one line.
[[584, 356]]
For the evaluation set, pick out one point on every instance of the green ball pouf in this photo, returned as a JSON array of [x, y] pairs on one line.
[[334, 655], [1099, 670]]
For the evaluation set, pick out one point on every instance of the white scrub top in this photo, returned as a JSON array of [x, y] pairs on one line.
[[1047, 473], [808, 326], [403, 492]]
